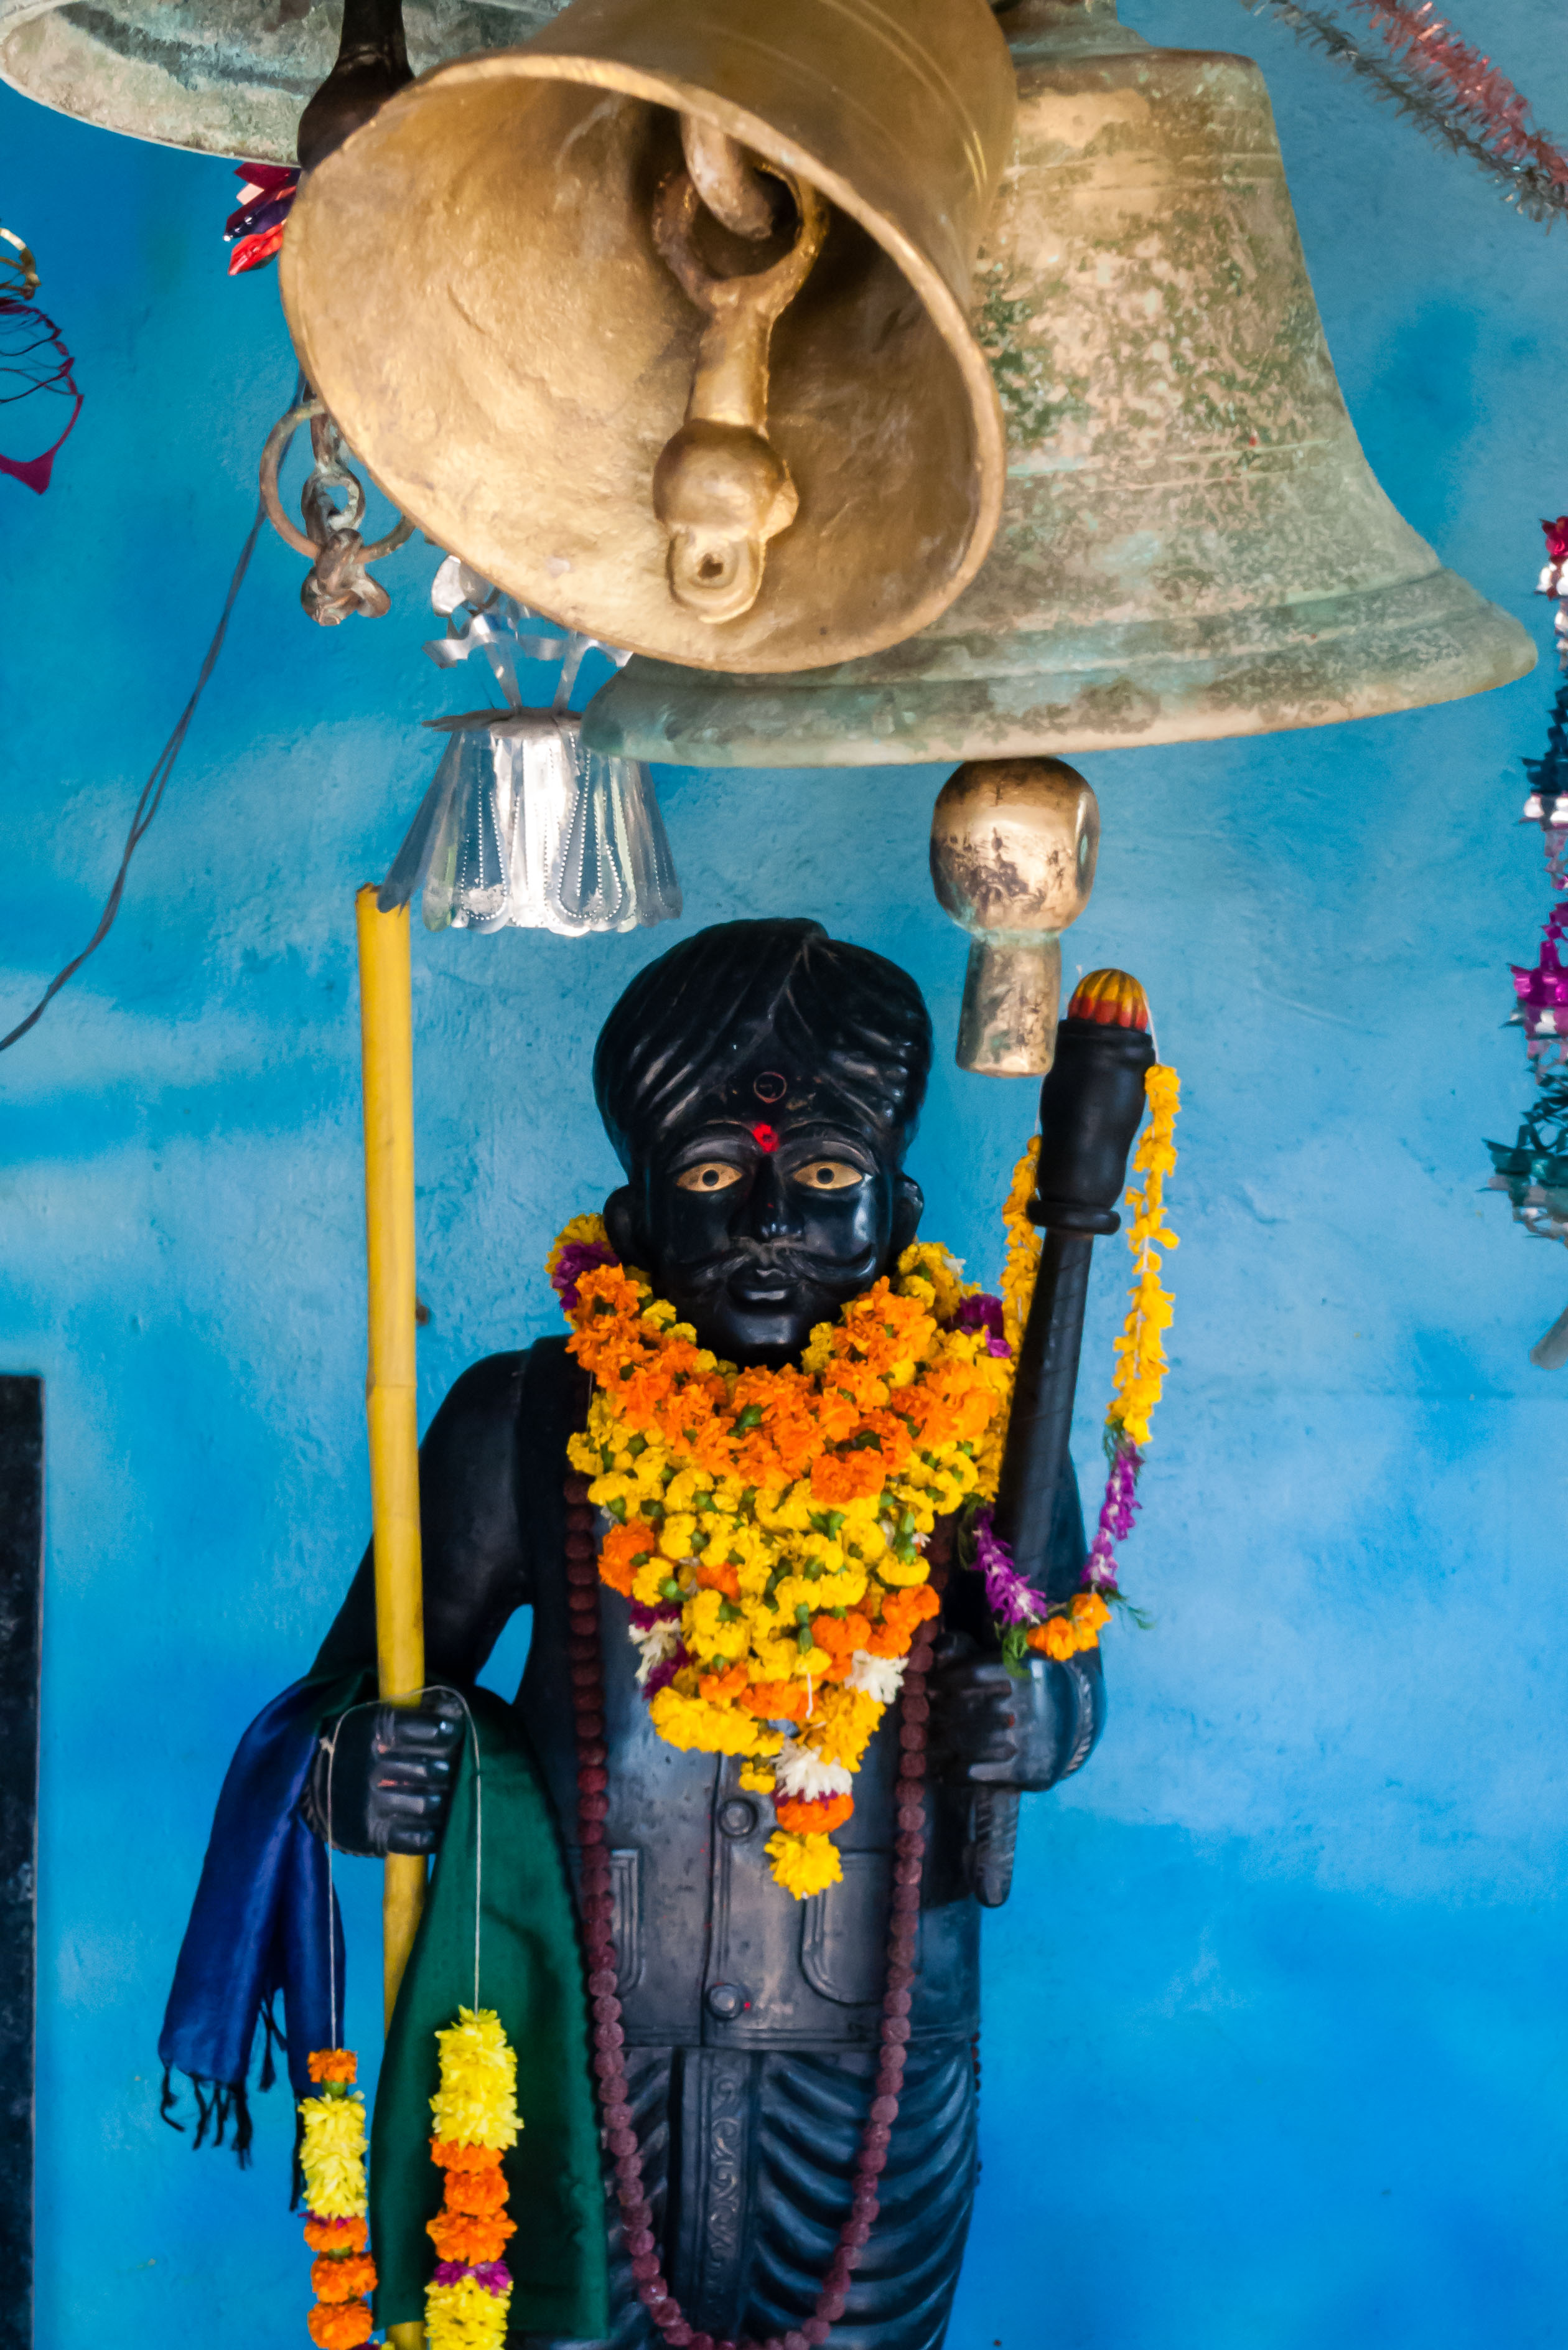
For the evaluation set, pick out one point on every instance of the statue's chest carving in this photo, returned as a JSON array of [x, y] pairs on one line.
[[712, 1952]]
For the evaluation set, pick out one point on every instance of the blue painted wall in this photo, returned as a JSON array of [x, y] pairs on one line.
[[1274, 2052]]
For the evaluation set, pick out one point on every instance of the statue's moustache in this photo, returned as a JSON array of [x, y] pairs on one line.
[[761, 1261]]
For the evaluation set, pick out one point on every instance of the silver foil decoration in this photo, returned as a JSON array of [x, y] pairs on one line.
[[523, 828]]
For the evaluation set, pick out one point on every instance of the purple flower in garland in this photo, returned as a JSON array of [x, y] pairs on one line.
[[1117, 1515], [984, 1313], [493, 2275], [662, 1675], [1010, 1596], [576, 1259]]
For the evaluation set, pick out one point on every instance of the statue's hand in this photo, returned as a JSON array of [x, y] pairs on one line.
[[973, 1729], [1091, 1105], [385, 1784], [991, 1728]]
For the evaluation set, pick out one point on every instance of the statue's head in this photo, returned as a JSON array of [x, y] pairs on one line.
[[761, 1084]]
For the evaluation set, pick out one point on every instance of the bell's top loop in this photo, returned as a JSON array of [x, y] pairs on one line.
[[726, 179]]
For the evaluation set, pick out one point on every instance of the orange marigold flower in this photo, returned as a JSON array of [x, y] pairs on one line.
[[1089, 1612], [342, 2280], [838, 1477], [339, 2325], [475, 2190], [718, 1575], [332, 2064], [903, 1611], [1057, 1638], [465, 2236], [841, 1635], [819, 1814], [335, 2235], [775, 1700], [453, 2156], [719, 1688], [620, 1555]]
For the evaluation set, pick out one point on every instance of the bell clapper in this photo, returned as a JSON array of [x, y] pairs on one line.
[[337, 583], [721, 489], [1014, 847]]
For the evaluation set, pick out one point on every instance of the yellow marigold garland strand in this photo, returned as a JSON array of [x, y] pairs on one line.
[[1141, 1365], [1023, 1619], [332, 2159], [476, 2119]]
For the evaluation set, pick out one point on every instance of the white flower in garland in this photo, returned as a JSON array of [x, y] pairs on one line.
[[659, 1642], [805, 1776], [878, 1677]]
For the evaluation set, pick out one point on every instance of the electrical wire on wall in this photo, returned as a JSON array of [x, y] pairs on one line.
[[146, 806]]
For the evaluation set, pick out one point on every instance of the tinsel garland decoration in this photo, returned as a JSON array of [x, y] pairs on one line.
[[254, 228], [1532, 1169], [332, 2159], [1456, 97], [1553, 581], [33, 358], [476, 2119]]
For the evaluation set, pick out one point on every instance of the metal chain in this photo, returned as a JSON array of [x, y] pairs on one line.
[[337, 584]]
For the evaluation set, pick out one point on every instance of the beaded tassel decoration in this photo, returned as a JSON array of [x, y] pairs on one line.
[[476, 2120], [608, 2033], [332, 2157]]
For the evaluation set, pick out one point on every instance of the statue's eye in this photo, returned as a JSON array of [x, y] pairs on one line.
[[828, 1175], [711, 1175]]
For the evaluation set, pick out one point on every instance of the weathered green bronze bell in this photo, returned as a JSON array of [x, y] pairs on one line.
[[224, 76], [1192, 543]]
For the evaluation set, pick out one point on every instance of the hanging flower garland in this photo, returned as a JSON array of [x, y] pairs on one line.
[[332, 2159], [476, 2119], [768, 1526], [1024, 1618]]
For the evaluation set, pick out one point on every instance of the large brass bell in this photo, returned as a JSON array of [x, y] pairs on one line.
[[517, 324], [1192, 543]]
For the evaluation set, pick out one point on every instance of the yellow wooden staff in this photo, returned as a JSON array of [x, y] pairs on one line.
[[391, 1401], [390, 1397]]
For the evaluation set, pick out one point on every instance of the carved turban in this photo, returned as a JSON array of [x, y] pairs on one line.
[[751, 1018]]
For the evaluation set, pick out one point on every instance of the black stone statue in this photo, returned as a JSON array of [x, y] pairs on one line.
[[751, 2020]]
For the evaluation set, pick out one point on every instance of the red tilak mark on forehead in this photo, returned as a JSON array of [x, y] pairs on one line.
[[766, 1138]]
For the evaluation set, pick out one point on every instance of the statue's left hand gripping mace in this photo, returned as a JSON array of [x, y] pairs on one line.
[[1014, 847]]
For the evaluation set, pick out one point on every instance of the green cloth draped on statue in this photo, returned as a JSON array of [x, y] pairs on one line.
[[530, 1972]]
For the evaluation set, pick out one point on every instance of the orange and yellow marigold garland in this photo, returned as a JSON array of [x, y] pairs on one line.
[[332, 2159], [769, 1526], [476, 2120]]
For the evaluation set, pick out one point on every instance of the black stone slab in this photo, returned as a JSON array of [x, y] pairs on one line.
[[21, 1597]]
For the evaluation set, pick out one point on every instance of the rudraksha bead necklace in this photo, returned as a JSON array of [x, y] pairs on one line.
[[586, 1662]]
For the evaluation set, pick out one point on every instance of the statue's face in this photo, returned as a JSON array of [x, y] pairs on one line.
[[756, 1227]]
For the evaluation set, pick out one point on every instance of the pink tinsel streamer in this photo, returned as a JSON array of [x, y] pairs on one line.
[[1468, 83], [1454, 96]]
